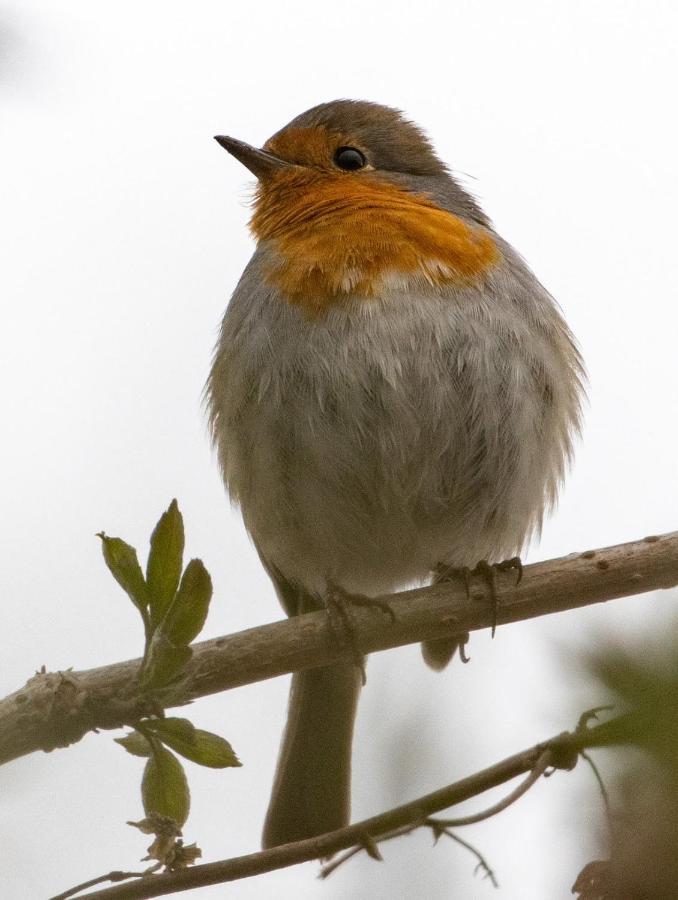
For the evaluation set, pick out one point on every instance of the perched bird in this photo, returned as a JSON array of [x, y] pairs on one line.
[[393, 394]]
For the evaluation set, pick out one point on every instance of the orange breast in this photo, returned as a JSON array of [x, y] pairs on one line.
[[340, 235]]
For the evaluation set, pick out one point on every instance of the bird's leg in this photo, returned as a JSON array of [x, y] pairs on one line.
[[338, 603]]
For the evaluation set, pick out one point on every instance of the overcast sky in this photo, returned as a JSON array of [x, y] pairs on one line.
[[124, 232]]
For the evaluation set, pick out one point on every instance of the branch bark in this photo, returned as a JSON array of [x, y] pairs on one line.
[[57, 709]]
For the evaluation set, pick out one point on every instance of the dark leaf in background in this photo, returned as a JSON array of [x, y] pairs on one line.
[[642, 862], [647, 689]]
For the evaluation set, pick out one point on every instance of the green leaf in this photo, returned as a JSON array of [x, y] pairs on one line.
[[164, 561], [199, 746], [165, 662], [135, 743], [172, 726], [186, 616], [122, 561], [164, 788]]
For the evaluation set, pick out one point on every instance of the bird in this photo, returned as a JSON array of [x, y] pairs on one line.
[[393, 396]]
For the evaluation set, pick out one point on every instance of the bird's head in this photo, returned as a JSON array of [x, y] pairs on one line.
[[353, 199]]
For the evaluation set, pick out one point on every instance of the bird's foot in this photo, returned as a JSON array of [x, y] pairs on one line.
[[338, 603], [488, 572]]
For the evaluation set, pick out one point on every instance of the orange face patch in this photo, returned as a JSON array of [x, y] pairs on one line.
[[344, 234], [308, 146]]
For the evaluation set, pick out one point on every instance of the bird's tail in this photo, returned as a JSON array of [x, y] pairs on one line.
[[312, 787]]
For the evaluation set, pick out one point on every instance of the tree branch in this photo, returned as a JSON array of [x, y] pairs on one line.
[[57, 709], [561, 751], [534, 775]]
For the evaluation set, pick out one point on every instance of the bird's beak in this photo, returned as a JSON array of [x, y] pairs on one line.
[[259, 162]]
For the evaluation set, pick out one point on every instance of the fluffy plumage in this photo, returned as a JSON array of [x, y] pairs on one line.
[[392, 422]]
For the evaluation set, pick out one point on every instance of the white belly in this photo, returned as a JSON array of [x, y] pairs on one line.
[[391, 435]]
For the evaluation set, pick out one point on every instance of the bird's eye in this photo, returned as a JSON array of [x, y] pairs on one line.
[[349, 158]]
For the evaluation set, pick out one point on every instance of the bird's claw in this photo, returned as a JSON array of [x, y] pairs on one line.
[[514, 564], [488, 572]]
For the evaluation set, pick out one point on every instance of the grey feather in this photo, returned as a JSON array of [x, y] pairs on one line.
[[425, 426]]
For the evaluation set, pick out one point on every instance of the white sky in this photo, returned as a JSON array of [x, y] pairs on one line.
[[124, 233]]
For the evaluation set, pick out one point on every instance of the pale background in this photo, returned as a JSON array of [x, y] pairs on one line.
[[124, 232]]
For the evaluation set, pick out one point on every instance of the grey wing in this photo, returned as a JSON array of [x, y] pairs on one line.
[[293, 598]]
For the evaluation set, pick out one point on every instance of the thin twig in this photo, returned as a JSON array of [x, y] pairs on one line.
[[562, 752], [541, 766], [114, 876], [603, 790], [330, 867], [482, 862], [57, 709]]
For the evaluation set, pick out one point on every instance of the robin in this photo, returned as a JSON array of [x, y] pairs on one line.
[[393, 395]]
